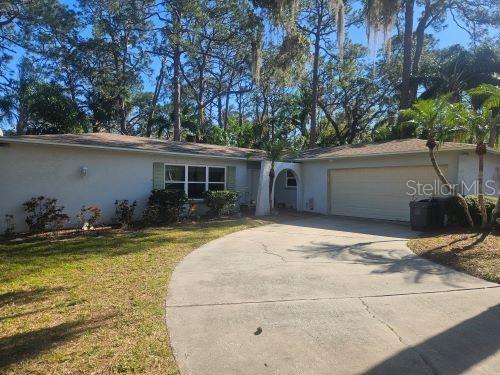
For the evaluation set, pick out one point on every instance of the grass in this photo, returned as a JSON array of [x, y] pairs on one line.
[[475, 253], [94, 303]]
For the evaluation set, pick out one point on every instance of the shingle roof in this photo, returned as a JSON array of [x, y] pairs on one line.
[[117, 141], [125, 142], [367, 149]]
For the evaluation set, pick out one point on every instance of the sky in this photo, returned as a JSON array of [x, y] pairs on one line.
[[450, 35]]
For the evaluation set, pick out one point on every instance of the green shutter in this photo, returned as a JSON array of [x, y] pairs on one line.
[[158, 176], [231, 178]]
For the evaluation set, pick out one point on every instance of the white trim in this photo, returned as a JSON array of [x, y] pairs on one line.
[[62, 144]]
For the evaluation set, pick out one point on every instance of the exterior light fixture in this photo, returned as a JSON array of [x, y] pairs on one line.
[[83, 171]]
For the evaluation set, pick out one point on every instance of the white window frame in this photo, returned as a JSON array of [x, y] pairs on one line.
[[291, 187], [186, 181]]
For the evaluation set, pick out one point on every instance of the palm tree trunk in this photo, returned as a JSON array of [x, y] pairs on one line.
[[271, 183], [438, 171], [480, 148], [431, 144]]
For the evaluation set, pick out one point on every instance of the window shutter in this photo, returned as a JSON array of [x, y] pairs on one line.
[[231, 178], [158, 176]]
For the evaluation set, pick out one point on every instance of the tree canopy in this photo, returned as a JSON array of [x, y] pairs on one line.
[[236, 72]]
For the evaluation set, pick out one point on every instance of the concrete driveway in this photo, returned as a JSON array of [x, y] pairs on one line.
[[326, 295]]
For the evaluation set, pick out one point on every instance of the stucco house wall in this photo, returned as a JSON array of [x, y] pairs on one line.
[[282, 194], [468, 170], [31, 170], [315, 172]]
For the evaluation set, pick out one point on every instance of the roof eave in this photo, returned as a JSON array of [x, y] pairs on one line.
[[126, 149], [468, 148]]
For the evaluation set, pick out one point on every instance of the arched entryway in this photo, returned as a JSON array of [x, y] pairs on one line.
[[262, 206], [286, 187]]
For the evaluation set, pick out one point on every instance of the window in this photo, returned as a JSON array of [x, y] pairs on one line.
[[216, 178], [175, 177], [194, 180], [291, 182]]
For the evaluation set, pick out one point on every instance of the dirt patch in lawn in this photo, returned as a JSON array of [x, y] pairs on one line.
[[475, 253]]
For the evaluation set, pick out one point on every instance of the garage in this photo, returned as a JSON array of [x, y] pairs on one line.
[[377, 193]]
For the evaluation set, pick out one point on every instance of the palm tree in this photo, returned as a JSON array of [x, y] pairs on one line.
[[432, 119], [486, 99], [275, 149]]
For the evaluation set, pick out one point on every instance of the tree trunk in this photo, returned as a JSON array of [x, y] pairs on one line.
[[176, 93], [431, 144], [226, 110], [22, 119], [438, 171], [419, 47], [480, 150], [240, 111], [200, 133], [123, 116], [156, 95], [407, 55], [271, 183], [219, 111], [314, 99]]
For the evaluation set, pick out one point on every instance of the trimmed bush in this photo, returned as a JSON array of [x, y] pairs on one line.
[[164, 206], [456, 215], [221, 202], [43, 213]]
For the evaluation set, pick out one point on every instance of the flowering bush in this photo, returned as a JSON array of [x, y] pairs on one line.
[[89, 216]]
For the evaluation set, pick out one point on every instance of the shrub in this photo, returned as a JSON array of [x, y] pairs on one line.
[[89, 216], [456, 215], [221, 202], [44, 213], [164, 206], [124, 212], [151, 214], [9, 225]]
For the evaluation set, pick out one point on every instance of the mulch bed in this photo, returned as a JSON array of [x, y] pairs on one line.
[[475, 253]]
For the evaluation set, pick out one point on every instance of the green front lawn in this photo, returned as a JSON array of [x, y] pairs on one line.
[[94, 303]]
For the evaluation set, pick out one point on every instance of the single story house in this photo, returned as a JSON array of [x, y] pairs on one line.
[[367, 180]]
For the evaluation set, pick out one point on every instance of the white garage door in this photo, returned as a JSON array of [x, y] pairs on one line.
[[379, 193]]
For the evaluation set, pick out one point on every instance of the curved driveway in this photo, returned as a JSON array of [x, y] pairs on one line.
[[327, 295]]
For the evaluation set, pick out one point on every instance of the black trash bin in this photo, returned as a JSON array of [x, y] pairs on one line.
[[426, 214]]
